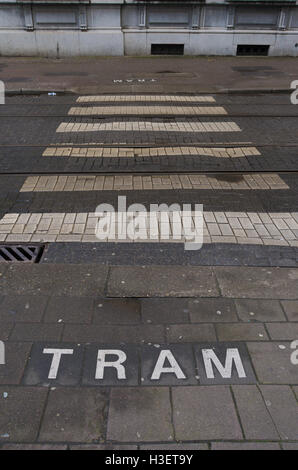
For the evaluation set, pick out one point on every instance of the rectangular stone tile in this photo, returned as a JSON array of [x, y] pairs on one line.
[[36, 332], [282, 331], [140, 415], [212, 310], [179, 446], [250, 282], [272, 362], [255, 418], [161, 281], [259, 310], [5, 330], [203, 413], [291, 309], [282, 406], [241, 332], [156, 362], [21, 410], [245, 446], [16, 355], [75, 415], [117, 311], [102, 447], [190, 333], [290, 445], [223, 363], [60, 279], [54, 364], [165, 310], [110, 334], [14, 447], [65, 309], [23, 308], [127, 372]]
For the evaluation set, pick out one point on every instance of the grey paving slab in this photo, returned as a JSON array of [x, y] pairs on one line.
[[21, 411], [190, 333], [110, 334], [271, 361], [111, 376], [165, 310], [16, 356], [245, 446], [179, 446], [283, 408], [67, 370], [47, 447], [255, 418], [291, 309], [290, 445], [212, 310], [296, 391], [5, 330], [23, 308], [161, 281], [199, 413], [250, 310], [102, 447], [117, 311], [67, 309], [36, 332], [46, 279], [140, 415], [155, 362], [283, 331], [249, 282], [241, 332], [223, 363], [74, 415]]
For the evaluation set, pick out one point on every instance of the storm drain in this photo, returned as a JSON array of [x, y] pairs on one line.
[[21, 253]]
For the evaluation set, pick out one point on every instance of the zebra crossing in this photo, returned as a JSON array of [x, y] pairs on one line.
[[243, 227]]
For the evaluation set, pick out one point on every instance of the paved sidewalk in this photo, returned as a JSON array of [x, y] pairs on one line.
[[86, 308], [149, 74]]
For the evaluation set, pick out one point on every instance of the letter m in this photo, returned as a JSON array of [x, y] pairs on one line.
[[2, 353], [232, 356]]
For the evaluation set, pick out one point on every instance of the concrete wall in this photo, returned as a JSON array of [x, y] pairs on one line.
[[117, 27]]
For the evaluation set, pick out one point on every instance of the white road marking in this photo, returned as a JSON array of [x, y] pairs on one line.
[[141, 110], [129, 182], [261, 228], [140, 98], [139, 126], [131, 152]]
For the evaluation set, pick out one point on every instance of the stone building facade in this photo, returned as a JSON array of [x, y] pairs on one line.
[[64, 28]]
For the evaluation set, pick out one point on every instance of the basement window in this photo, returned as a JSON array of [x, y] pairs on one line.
[[167, 49], [255, 49]]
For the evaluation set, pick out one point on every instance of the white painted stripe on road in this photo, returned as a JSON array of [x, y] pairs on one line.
[[151, 182], [141, 110], [131, 152], [140, 98], [255, 228], [147, 126]]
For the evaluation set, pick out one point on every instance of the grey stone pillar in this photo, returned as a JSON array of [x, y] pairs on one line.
[[28, 19]]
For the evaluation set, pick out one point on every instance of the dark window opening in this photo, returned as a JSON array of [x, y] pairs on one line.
[[256, 49], [167, 49]]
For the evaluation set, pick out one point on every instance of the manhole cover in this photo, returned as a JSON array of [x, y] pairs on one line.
[[21, 253]]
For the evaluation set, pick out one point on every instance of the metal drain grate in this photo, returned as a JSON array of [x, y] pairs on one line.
[[21, 253]]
